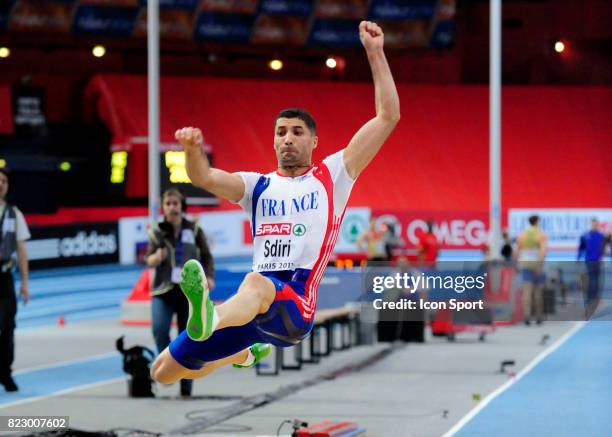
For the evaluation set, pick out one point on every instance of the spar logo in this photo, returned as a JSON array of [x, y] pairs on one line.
[[353, 225], [266, 229], [299, 230], [273, 229]]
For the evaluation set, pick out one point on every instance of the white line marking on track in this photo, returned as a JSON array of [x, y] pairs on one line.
[[66, 363], [62, 392], [469, 416]]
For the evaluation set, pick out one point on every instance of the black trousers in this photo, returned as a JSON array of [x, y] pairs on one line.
[[8, 310]]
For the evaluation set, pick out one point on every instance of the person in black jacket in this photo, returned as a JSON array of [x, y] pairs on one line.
[[13, 233], [171, 243]]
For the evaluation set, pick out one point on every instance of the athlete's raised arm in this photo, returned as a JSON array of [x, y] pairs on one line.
[[367, 141], [221, 183]]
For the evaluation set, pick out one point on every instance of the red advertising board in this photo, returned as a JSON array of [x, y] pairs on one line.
[[453, 229], [6, 111]]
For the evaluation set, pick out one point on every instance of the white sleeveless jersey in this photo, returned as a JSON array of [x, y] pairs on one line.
[[295, 220]]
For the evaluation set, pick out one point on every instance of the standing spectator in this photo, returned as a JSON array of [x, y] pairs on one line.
[[506, 249], [171, 243], [592, 246], [13, 233], [391, 240], [531, 251], [374, 242], [428, 247]]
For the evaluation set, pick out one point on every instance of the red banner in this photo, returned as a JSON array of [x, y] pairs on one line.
[[453, 229], [6, 111]]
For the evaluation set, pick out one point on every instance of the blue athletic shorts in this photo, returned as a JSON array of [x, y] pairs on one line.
[[282, 325], [530, 275]]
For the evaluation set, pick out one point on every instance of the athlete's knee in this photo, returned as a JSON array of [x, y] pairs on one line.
[[161, 375], [157, 373], [156, 369], [258, 286], [253, 279], [165, 369]]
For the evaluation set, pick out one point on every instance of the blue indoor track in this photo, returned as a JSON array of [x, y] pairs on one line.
[[567, 394], [83, 293], [96, 292]]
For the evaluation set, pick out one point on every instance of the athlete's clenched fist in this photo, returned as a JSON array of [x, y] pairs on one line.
[[371, 35], [189, 137]]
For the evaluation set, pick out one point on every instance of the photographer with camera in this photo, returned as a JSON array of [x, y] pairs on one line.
[[172, 242]]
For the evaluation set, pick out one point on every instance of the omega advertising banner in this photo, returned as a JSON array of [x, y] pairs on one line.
[[453, 229]]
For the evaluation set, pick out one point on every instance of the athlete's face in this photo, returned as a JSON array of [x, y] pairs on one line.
[[3, 185], [293, 142]]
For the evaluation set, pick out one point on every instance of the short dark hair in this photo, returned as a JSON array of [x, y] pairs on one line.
[[300, 113], [533, 220], [5, 173]]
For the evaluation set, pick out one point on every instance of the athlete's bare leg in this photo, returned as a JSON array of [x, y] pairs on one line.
[[528, 294], [538, 295], [166, 369], [254, 297]]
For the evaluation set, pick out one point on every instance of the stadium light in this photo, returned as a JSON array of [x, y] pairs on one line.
[[5, 52], [559, 47], [98, 51], [275, 64], [331, 62], [65, 166]]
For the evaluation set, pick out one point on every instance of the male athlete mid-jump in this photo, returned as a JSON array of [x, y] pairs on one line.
[[295, 217]]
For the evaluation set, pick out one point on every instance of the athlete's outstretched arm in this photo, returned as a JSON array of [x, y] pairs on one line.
[[368, 140], [221, 183]]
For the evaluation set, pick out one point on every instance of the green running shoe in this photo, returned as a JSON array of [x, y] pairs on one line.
[[259, 351], [201, 308]]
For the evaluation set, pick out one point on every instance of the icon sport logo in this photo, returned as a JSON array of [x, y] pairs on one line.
[[267, 229]]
